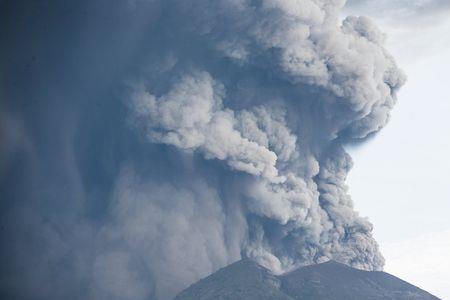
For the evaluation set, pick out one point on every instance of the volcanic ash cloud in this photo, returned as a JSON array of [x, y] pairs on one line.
[[262, 95]]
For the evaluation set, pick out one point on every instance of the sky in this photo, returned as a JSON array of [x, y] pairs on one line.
[[406, 167]]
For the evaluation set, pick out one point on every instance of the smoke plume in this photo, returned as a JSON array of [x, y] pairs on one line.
[[186, 135]]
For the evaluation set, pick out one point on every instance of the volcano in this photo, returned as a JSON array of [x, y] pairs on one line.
[[331, 280]]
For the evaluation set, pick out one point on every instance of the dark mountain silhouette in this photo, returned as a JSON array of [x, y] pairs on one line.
[[247, 280]]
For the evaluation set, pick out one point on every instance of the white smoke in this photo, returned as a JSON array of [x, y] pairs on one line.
[[191, 116]]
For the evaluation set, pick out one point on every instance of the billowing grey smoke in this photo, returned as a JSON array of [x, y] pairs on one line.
[[273, 89], [241, 109]]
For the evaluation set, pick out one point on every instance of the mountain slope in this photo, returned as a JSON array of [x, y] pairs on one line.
[[242, 280], [332, 280], [247, 280]]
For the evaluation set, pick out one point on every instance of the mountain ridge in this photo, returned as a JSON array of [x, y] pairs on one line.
[[331, 280]]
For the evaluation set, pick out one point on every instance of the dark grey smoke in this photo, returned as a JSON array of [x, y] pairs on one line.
[[145, 144]]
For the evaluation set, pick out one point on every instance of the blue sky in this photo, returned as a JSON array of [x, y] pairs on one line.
[[406, 167]]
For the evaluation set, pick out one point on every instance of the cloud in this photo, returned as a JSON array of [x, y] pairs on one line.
[[422, 260], [401, 10]]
